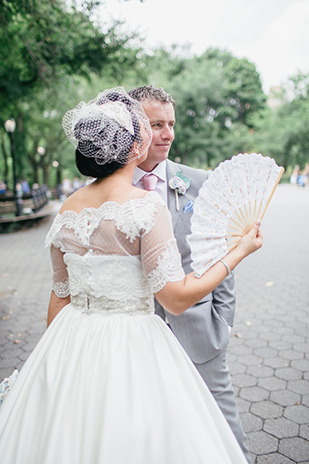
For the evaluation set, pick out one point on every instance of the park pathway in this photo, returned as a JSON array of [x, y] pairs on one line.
[[269, 349]]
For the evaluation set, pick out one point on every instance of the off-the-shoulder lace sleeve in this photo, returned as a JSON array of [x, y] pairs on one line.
[[159, 253], [60, 273]]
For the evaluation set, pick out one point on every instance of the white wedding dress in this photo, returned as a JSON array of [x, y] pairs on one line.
[[108, 383]]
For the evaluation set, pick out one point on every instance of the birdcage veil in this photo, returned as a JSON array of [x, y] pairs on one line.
[[111, 127]]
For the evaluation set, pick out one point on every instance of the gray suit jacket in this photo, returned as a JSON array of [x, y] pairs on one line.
[[203, 329]]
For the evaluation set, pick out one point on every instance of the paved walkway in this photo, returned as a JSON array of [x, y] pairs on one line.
[[269, 349]]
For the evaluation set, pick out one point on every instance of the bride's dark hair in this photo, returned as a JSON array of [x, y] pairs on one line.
[[90, 168]]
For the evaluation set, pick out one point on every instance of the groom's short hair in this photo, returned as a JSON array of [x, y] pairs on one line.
[[148, 92]]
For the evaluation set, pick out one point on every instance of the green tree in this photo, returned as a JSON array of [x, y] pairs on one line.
[[282, 131], [44, 41], [44, 44], [295, 116], [243, 92], [162, 65], [197, 100], [211, 113]]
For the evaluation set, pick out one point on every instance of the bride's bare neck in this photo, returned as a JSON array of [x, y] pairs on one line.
[[116, 187]]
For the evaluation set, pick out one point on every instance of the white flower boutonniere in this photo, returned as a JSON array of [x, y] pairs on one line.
[[180, 184]]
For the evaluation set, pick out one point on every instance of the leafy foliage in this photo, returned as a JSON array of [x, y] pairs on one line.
[[43, 42], [282, 132], [215, 94], [43, 45], [52, 56]]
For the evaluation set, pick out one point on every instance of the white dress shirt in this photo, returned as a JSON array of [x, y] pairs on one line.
[[160, 172]]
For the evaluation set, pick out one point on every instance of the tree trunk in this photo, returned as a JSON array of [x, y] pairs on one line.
[[6, 166], [35, 170], [59, 175], [45, 173]]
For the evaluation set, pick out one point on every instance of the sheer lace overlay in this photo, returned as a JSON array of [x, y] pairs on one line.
[[113, 258], [167, 269], [62, 289]]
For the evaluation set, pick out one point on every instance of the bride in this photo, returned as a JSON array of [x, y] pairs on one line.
[[108, 383]]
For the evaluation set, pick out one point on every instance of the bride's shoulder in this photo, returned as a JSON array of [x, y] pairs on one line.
[[139, 215], [151, 201], [75, 202], [67, 217], [147, 210]]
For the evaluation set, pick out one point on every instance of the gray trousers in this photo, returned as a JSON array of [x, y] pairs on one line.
[[217, 378]]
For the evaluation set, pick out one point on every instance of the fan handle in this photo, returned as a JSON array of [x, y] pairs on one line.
[[273, 191]]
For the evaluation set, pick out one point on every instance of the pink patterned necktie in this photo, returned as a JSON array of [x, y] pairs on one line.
[[150, 181]]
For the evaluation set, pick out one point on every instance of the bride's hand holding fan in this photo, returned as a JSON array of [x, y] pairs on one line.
[[178, 296], [252, 241], [249, 243]]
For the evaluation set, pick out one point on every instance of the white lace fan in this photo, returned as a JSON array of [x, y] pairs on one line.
[[236, 194]]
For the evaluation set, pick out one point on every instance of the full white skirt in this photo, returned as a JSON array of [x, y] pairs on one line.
[[115, 389]]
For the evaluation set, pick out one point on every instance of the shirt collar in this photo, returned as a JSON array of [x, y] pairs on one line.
[[159, 171]]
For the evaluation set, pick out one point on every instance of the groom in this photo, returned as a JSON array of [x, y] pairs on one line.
[[202, 330]]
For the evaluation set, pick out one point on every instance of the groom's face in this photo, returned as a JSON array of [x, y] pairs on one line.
[[162, 120]]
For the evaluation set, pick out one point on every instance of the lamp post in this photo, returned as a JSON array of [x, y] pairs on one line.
[[56, 165], [10, 126], [41, 151]]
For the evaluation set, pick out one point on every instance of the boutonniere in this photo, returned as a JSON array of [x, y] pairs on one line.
[[180, 184]]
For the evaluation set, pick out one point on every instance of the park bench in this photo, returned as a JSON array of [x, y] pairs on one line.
[[31, 208]]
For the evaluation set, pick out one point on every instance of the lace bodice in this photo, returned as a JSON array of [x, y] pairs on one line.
[[113, 258]]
